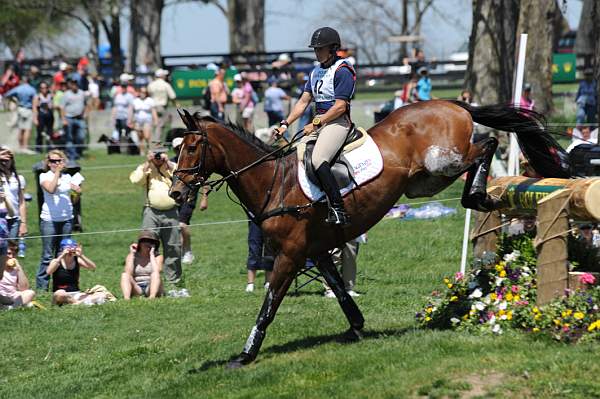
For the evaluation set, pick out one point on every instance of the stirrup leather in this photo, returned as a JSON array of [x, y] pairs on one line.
[[337, 216]]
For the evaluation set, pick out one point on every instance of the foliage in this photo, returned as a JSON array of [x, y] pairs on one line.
[[499, 294]]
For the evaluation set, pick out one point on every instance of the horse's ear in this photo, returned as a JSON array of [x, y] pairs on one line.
[[187, 119]]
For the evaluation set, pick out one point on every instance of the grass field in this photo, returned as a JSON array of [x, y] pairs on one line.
[[177, 347]]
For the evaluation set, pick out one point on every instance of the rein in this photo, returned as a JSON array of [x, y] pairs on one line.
[[215, 185]]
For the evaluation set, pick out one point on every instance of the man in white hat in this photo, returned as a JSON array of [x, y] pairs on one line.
[[161, 92]]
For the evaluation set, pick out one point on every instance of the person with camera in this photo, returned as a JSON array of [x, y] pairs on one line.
[[142, 268], [14, 286], [64, 270], [160, 212], [56, 217]]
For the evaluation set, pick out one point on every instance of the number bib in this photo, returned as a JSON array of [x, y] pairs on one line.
[[322, 82]]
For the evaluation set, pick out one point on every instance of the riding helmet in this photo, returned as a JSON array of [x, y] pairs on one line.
[[325, 37]]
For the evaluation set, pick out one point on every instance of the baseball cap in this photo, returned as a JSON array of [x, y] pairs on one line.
[[237, 77], [67, 242], [161, 72], [176, 142]]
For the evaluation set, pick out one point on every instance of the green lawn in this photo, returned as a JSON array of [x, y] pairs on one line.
[[177, 347]]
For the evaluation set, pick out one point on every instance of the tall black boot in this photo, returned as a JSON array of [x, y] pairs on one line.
[[337, 213]]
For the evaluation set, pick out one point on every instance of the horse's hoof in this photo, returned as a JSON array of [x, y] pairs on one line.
[[239, 362]]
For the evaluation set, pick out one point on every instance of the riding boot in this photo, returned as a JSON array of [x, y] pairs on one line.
[[337, 213]]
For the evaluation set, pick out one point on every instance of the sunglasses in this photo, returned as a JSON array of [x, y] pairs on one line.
[[55, 160]]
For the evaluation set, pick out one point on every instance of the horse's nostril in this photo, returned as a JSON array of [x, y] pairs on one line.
[[175, 194]]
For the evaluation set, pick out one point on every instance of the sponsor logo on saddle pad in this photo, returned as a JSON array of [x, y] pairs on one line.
[[366, 162]]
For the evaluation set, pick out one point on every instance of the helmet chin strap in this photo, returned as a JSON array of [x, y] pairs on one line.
[[329, 61]]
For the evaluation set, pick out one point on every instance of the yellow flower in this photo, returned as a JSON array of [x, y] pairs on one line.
[[509, 315], [502, 273], [535, 329], [446, 281], [449, 285], [499, 267], [537, 316], [453, 298], [567, 325], [578, 315], [427, 318], [535, 309], [501, 312], [517, 298], [493, 296], [509, 296], [566, 313], [465, 317], [429, 310], [594, 326], [557, 322], [471, 312]]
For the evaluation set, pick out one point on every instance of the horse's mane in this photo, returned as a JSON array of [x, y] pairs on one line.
[[239, 131]]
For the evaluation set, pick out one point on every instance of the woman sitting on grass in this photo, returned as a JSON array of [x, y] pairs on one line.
[[14, 286], [65, 275], [142, 268]]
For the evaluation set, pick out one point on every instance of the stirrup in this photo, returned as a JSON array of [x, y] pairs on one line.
[[337, 216]]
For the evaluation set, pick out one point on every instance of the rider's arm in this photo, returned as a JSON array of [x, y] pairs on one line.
[[299, 107]]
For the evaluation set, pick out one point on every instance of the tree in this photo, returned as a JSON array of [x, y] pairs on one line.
[[144, 33], [490, 69], [537, 19], [246, 20]]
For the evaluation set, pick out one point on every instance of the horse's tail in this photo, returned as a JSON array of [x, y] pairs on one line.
[[544, 154]]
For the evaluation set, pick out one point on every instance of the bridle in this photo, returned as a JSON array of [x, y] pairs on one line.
[[198, 177]]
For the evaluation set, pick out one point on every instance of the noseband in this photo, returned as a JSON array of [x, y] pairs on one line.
[[199, 176]]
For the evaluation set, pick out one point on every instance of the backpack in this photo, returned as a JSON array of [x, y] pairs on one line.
[[206, 98]]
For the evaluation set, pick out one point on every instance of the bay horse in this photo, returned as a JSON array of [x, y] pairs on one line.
[[425, 147]]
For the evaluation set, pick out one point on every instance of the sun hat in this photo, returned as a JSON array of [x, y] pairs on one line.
[[149, 235], [176, 142], [67, 242]]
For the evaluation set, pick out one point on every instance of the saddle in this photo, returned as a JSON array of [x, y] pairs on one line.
[[340, 166]]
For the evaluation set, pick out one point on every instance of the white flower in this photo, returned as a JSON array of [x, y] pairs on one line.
[[499, 281], [511, 257], [492, 320], [487, 300], [476, 294], [479, 305], [455, 321], [497, 329], [502, 305]]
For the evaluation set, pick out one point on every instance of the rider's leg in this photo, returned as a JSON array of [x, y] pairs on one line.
[[335, 282], [475, 194], [281, 279], [330, 140]]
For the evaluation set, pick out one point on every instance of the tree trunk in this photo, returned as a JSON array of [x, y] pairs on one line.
[[596, 59], [146, 35], [113, 33], [246, 26], [134, 34], [537, 19], [491, 64]]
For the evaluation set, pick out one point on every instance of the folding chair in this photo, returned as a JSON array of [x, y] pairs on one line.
[[311, 273]]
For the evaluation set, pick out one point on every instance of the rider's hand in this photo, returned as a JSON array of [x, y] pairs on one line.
[[278, 131], [308, 129]]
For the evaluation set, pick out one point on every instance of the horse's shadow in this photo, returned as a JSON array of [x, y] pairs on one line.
[[309, 342]]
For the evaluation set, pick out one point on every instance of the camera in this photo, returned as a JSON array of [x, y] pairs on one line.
[[158, 156]]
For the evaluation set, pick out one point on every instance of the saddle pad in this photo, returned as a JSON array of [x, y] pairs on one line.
[[366, 161]]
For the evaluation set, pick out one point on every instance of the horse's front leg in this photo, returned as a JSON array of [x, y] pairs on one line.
[[335, 282], [281, 278]]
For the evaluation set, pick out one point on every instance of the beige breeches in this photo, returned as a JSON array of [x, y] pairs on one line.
[[330, 139]]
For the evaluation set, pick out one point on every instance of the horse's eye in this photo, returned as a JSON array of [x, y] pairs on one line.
[[191, 149]]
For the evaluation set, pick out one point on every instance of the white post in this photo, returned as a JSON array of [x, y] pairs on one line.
[[513, 155], [465, 246]]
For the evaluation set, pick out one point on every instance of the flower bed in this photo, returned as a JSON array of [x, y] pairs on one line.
[[499, 293]]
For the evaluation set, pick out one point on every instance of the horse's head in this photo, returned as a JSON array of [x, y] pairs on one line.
[[195, 162]]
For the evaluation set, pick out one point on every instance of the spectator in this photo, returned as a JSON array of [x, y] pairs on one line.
[[526, 101], [125, 85], [73, 114], [142, 268], [237, 95], [274, 97], [248, 103], [60, 76], [93, 92], [259, 256], [466, 97], [58, 135], [13, 186], [218, 95], [423, 85], [43, 117], [160, 210], [14, 285], [587, 98], [35, 79], [409, 90], [56, 218], [162, 92], [9, 79], [186, 210], [418, 61], [122, 110], [582, 135], [64, 270], [398, 102], [24, 93], [144, 117], [345, 258]]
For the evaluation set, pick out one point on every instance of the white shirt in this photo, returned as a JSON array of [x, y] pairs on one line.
[[143, 108], [11, 189], [94, 89], [577, 139], [57, 207]]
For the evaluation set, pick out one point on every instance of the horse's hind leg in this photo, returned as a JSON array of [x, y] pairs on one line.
[[281, 278], [335, 282], [475, 195]]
